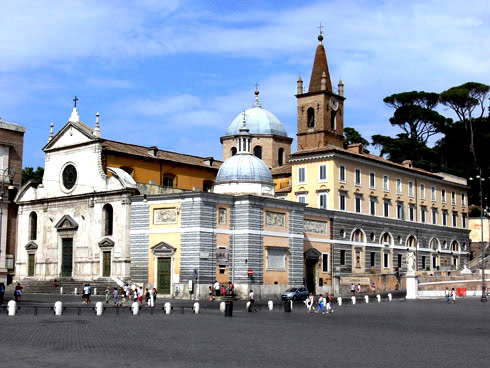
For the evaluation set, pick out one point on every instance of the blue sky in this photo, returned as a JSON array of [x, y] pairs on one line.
[[176, 73]]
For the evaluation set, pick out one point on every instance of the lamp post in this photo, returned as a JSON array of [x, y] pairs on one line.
[[4, 172], [483, 285]]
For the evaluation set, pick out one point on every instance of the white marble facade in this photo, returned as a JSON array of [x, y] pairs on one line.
[[73, 202]]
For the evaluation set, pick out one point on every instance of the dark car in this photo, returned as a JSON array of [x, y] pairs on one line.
[[295, 293]]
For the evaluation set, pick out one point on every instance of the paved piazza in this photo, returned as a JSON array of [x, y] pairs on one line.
[[390, 334]]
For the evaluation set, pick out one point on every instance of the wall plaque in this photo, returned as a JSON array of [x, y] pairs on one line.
[[275, 219], [316, 227], [164, 216]]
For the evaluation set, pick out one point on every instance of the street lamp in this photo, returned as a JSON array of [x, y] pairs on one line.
[[483, 286]]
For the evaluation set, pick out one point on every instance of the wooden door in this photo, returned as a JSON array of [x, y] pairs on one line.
[[163, 276], [106, 264], [67, 257], [30, 270]]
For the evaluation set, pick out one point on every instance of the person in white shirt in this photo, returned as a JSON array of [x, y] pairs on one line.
[[251, 299], [216, 288]]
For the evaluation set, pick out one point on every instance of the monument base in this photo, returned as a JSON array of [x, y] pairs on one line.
[[412, 287]]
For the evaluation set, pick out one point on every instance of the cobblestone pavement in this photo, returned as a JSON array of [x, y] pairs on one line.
[[401, 333]]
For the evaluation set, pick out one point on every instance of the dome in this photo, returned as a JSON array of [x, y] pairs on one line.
[[259, 121], [244, 168]]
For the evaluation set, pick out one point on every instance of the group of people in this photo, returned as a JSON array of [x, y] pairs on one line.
[[324, 303], [126, 294], [220, 290], [357, 289], [450, 295], [17, 292]]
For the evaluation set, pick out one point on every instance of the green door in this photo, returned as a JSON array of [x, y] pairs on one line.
[[107, 264], [30, 270], [163, 278], [67, 257]]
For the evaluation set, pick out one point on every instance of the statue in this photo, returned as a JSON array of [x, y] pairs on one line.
[[410, 263]]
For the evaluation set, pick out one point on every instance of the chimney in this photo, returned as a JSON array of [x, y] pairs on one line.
[[153, 151], [407, 163]]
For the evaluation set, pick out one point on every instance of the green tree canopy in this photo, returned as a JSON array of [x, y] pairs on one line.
[[29, 173], [352, 136]]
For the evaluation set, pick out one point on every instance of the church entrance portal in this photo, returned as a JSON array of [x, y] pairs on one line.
[[311, 275], [67, 257], [106, 264], [163, 278]]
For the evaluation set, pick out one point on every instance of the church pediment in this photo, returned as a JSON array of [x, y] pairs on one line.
[[31, 245], [72, 134], [312, 254], [66, 223], [106, 243], [162, 248]]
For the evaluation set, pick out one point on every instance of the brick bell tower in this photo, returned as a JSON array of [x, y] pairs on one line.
[[320, 111]]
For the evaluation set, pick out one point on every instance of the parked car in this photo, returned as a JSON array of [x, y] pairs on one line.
[[295, 293]]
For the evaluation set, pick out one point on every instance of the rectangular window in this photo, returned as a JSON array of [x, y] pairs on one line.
[[453, 198], [301, 198], [325, 262], [422, 191], [399, 264], [434, 262], [423, 211], [222, 216], [342, 257], [443, 195], [342, 173], [455, 219], [386, 260], [386, 208], [372, 180], [342, 201], [372, 206], [434, 216], [412, 212], [276, 259], [400, 211], [358, 177], [398, 186], [322, 173], [433, 194], [410, 189], [463, 219], [444, 217], [373, 259], [463, 199], [358, 203], [424, 262], [301, 175], [386, 183], [323, 199]]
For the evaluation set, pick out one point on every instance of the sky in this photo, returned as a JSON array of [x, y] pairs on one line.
[[176, 73]]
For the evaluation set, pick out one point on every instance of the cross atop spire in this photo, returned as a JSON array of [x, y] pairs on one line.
[[75, 100], [320, 37], [321, 32]]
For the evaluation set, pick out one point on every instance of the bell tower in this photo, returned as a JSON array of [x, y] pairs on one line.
[[320, 111]]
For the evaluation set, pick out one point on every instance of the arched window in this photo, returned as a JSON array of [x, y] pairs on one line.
[[169, 181], [411, 241], [280, 156], [358, 236], [258, 151], [33, 226], [386, 239], [434, 244], [108, 216], [455, 246], [233, 151], [311, 117], [333, 120]]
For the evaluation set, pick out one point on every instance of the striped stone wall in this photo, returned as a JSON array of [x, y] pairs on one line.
[[296, 247], [139, 242]]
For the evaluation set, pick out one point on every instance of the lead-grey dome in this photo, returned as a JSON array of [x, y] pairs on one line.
[[259, 121], [244, 168]]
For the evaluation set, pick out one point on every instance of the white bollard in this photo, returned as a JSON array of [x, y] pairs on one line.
[[135, 307], [168, 308], [99, 308], [353, 299], [379, 298], [222, 307], [339, 301], [366, 298], [58, 308], [61, 290], [389, 297], [76, 291], [95, 291], [270, 305], [12, 307], [195, 308], [247, 306]]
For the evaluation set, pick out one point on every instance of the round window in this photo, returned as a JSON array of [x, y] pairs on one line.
[[69, 176]]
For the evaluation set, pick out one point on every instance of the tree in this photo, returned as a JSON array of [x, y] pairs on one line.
[[352, 136], [415, 114], [29, 173]]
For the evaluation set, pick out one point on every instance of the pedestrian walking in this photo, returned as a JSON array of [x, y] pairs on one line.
[[223, 290], [154, 296], [210, 292], [447, 295], [140, 295], [85, 294], [147, 297], [135, 294], [2, 292], [310, 302], [231, 288], [329, 301], [115, 297], [359, 288], [18, 292], [352, 289], [321, 304], [89, 292], [453, 296], [373, 288], [216, 288], [108, 294], [251, 299], [152, 300]]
